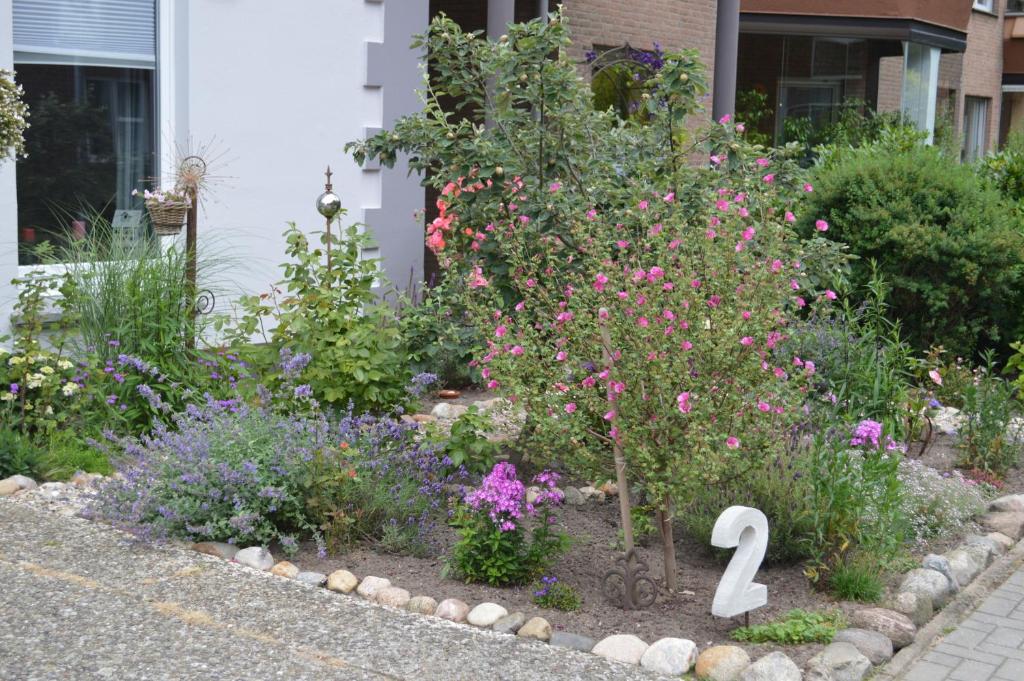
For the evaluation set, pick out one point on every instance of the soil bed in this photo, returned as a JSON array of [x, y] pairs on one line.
[[593, 528]]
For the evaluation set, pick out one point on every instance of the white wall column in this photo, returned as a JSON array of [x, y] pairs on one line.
[[8, 191], [921, 85]]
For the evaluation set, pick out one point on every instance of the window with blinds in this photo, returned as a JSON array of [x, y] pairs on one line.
[[95, 32]]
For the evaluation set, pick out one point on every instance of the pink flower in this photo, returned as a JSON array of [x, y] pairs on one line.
[[780, 372], [622, 244], [591, 214], [809, 367], [674, 244], [716, 159], [800, 302], [695, 283], [794, 284], [725, 119], [602, 313], [713, 301], [739, 246], [524, 219], [711, 234], [821, 226], [599, 281], [740, 127], [808, 188], [776, 265], [722, 205], [570, 408], [746, 340], [520, 306], [830, 294], [749, 233], [477, 279], [683, 402], [744, 213], [763, 162], [493, 385], [669, 198], [935, 376], [686, 345], [643, 322], [746, 314], [769, 178], [643, 204], [790, 217], [530, 283], [517, 350], [561, 356], [732, 442], [609, 415], [500, 331], [589, 382], [655, 273], [764, 406], [555, 186]]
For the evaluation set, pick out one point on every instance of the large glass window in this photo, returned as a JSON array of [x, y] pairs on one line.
[[88, 71]]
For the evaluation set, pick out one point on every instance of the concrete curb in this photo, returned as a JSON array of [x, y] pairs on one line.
[[969, 598]]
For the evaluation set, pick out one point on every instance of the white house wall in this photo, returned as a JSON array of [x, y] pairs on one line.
[[275, 90]]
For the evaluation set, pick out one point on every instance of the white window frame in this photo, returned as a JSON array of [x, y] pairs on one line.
[[985, 6], [165, 109]]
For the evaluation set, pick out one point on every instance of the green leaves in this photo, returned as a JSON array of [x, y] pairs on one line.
[[796, 627]]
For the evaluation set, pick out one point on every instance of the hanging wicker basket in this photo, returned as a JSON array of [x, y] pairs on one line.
[[167, 217]]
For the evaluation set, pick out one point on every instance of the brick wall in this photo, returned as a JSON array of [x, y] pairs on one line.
[[674, 24], [982, 74]]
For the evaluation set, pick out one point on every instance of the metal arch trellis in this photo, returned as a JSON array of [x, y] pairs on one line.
[[640, 64]]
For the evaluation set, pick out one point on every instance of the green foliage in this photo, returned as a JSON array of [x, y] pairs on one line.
[[989, 440], [133, 291], [18, 456], [752, 109], [780, 488], [796, 627], [439, 336], [64, 454], [357, 350], [1004, 170], [553, 594], [467, 444], [946, 245], [864, 366], [854, 581]]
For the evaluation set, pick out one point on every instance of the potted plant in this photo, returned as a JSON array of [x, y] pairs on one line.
[[167, 209]]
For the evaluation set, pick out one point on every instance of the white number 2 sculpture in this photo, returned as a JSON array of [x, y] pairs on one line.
[[747, 529]]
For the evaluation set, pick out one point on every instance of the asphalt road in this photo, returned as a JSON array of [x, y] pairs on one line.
[[79, 600]]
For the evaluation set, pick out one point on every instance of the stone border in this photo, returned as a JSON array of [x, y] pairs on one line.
[[952, 584], [954, 613]]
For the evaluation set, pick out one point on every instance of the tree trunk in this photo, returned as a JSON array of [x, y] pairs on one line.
[[664, 518]]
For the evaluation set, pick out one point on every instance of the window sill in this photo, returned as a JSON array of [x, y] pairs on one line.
[[990, 12]]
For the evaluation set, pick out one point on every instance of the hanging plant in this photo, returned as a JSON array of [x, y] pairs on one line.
[[13, 115]]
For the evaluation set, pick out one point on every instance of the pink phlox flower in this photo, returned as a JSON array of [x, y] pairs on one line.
[[821, 225], [867, 432]]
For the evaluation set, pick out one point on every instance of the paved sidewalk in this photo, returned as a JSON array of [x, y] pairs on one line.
[[81, 601], [987, 646]]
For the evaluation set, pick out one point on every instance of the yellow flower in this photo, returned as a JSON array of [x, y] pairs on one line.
[[70, 388], [15, 361], [64, 365], [35, 380], [6, 397], [47, 370]]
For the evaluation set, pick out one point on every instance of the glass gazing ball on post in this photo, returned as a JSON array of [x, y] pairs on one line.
[[328, 204]]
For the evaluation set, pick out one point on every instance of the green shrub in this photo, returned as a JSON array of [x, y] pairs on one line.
[[989, 439], [936, 503], [439, 335], [467, 444], [551, 593], [856, 582], [64, 454], [332, 316], [948, 247], [18, 456], [796, 627]]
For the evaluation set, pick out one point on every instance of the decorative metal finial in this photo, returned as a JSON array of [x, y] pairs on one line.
[[328, 204], [627, 586]]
